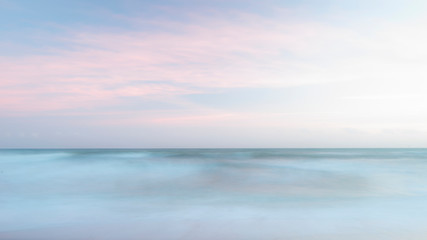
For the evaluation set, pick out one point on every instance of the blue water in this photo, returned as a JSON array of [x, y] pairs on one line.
[[213, 194]]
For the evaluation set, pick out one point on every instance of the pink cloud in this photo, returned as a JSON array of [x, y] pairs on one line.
[[101, 67]]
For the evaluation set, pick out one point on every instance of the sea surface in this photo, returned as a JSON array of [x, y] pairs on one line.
[[213, 194]]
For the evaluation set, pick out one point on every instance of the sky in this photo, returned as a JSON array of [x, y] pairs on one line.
[[213, 74]]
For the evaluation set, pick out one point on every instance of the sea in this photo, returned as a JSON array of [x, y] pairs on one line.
[[213, 194]]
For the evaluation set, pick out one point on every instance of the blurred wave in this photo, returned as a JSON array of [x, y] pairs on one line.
[[66, 186]]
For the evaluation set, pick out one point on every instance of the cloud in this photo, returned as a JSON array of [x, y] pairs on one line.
[[102, 66], [383, 97], [96, 68]]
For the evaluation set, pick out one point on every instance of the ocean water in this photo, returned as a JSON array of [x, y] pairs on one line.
[[236, 194]]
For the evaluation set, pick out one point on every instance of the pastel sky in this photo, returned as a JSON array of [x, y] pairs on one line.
[[213, 73]]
